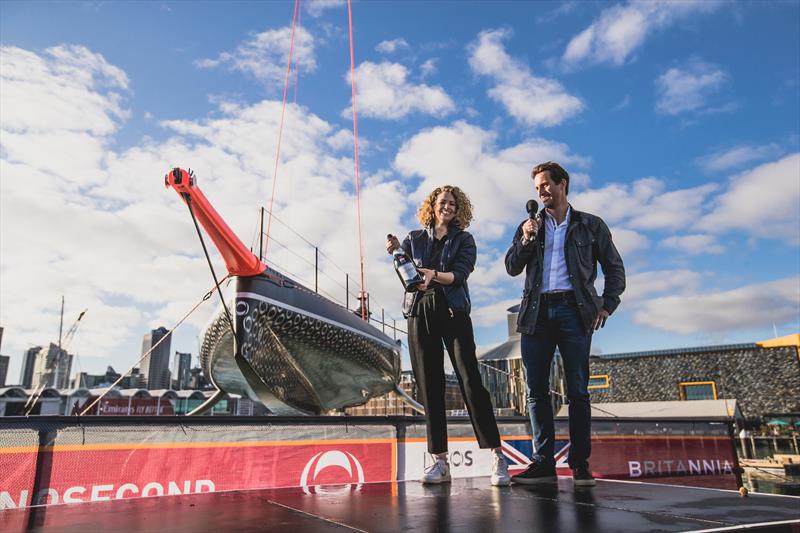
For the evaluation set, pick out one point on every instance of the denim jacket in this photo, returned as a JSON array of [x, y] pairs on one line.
[[458, 256]]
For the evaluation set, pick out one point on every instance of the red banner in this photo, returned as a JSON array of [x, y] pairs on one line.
[[629, 457], [108, 472]]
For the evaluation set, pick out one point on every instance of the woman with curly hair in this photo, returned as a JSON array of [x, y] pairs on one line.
[[438, 314]]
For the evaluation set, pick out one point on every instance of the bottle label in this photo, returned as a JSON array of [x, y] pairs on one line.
[[408, 270]]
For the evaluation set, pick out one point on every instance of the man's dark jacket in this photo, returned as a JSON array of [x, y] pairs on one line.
[[588, 242], [458, 256]]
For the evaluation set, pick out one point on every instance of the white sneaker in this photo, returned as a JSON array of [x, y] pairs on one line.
[[438, 472], [500, 477]]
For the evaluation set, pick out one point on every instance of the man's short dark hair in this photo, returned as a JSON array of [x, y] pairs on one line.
[[557, 172]]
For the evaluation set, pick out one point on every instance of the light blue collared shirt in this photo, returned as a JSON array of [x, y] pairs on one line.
[[555, 275]]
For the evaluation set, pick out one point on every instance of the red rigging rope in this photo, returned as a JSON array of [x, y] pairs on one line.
[[280, 128], [296, 65], [355, 148]]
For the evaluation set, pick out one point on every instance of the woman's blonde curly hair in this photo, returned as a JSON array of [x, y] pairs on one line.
[[425, 213]]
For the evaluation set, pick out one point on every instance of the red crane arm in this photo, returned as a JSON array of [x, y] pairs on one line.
[[239, 260]]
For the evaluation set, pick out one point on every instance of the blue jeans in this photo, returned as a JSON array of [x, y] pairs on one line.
[[558, 324]]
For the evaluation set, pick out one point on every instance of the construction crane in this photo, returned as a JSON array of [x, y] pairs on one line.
[[71, 331], [63, 344]]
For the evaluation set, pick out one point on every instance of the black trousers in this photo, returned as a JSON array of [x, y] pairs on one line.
[[428, 331]]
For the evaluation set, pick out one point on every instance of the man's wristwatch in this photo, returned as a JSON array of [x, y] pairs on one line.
[[435, 274], [526, 241]]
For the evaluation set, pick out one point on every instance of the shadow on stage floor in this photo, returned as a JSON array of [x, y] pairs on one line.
[[468, 505]]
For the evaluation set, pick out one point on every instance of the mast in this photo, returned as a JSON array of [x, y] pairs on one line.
[[61, 323], [57, 361]]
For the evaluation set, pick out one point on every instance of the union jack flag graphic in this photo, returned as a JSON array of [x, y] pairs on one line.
[[518, 452]]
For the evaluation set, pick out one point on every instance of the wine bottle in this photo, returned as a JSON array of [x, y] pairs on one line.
[[406, 271]]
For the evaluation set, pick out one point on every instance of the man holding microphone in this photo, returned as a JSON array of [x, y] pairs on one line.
[[559, 249]]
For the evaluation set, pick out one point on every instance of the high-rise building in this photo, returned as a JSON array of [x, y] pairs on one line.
[[4, 362], [134, 381], [52, 369], [93, 381], [155, 366], [181, 370], [28, 363], [197, 379]]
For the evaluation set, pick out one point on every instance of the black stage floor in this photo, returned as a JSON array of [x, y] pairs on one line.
[[468, 505]]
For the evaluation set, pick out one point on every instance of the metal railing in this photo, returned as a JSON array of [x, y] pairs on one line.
[[350, 287]]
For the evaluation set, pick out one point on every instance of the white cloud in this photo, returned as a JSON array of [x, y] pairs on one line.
[[628, 241], [384, 91], [693, 244], [428, 67], [738, 156], [622, 104], [644, 204], [316, 8], [531, 100], [666, 209], [621, 29], [496, 179], [391, 46], [68, 88], [264, 55], [648, 284], [492, 314], [745, 308], [690, 88], [565, 8], [341, 140], [579, 181], [762, 202], [101, 229]]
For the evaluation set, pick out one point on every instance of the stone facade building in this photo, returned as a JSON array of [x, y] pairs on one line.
[[765, 380], [763, 377], [392, 405]]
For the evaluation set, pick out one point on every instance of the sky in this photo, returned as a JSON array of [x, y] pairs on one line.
[[679, 123]]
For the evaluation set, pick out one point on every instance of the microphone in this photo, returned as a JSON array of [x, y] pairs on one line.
[[533, 214], [532, 208]]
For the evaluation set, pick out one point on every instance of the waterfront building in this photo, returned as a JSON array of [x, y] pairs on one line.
[[763, 377], [392, 405], [4, 362], [181, 370], [155, 366], [16, 401]]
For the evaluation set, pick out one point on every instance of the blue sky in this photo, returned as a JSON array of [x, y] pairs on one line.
[[679, 121]]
